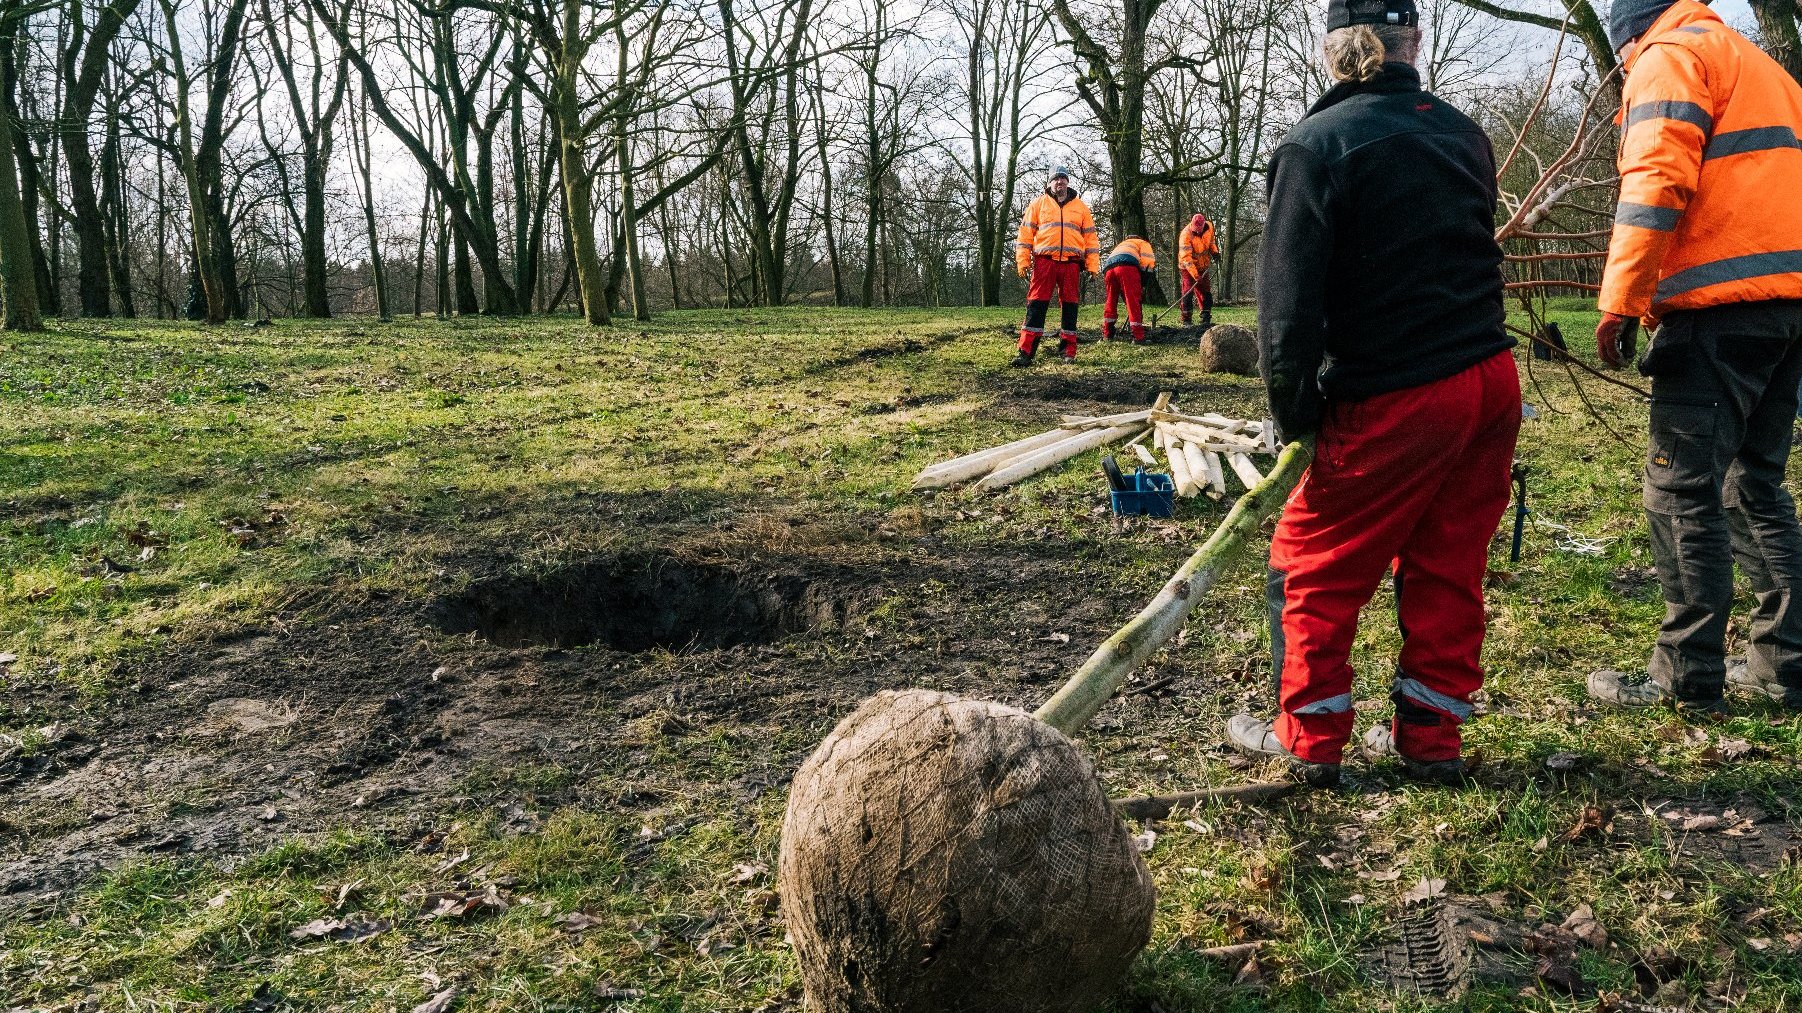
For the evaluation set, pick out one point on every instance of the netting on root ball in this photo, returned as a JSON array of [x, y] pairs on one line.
[[943, 855]]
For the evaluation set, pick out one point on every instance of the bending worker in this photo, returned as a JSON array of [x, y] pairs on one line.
[[1123, 271], [1381, 332], [1196, 250], [1057, 243], [1707, 246]]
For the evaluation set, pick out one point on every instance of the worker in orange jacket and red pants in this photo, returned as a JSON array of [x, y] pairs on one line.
[[1196, 249], [1382, 334], [1057, 243], [1123, 271], [1707, 243]]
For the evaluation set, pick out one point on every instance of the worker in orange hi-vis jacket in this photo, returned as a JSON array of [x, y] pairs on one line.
[[1707, 247], [1195, 253], [1057, 243], [1123, 272]]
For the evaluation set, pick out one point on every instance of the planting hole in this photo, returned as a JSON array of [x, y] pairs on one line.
[[644, 603]]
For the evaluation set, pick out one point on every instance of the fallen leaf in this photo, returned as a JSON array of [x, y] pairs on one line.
[[1146, 841], [452, 863], [1425, 889], [1734, 749], [1706, 821], [438, 1003], [1563, 761], [745, 873], [1560, 975], [7, 658], [354, 929], [1251, 975], [607, 991], [1582, 923], [464, 904], [1386, 876], [1593, 820], [578, 921], [1760, 944], [219, 899], [1057, 638]]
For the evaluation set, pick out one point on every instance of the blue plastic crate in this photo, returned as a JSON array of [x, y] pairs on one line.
[[1152, 495]]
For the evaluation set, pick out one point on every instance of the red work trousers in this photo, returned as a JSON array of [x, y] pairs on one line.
[[1062, 278], [1202, 287], [1415, 479], [1123, 281]]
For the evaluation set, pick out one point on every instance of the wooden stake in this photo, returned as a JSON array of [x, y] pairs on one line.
[[1198, 466], [962, 469], [1216, 476], [1032, 463], [1095, 682], [1243, 468], [1179, 469]]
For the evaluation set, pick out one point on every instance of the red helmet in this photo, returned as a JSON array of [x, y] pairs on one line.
[[1199, 220]]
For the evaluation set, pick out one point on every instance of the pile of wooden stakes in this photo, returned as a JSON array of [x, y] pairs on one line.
[[1201, 450]]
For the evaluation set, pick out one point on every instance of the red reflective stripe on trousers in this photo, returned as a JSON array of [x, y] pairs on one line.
[[1415, 479]]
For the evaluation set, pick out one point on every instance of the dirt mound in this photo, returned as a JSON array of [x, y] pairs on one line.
[[949, 854], [647, 602]]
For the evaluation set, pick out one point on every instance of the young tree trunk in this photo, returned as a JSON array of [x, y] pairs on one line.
[[18, 279], [378, 273]]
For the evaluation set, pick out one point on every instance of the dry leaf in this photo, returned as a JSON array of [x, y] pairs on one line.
[[1563, 761], [1594, 820], [1057, 638], [1425, 889], [450, 864], [1146, 841], [745, 873], [578, 922], [1705, 821], [1582, 923], [438, 1003], [1251, 975], [354, 929], [607, 991]]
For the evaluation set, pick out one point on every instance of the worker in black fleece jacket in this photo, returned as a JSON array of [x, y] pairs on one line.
[[1380, 321]]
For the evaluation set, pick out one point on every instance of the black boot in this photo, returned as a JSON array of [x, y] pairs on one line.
[[1022, 360]]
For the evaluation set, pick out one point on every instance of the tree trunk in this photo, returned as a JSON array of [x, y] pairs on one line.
[[1777, 27], [18, 278]]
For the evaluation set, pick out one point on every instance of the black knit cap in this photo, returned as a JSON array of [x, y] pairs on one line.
[[1629, 19], [1345, 13]]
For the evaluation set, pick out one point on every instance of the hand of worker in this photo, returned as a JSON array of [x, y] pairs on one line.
[[1615, 338]]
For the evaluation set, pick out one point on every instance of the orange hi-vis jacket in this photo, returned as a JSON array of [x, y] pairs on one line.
[[1133, 250], [1196, 250], [1711, 173], [1060, 231]]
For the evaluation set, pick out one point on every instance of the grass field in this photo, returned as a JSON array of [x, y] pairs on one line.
[[330, 691]]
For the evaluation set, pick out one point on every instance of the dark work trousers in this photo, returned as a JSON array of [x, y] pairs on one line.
[[1724, 399]]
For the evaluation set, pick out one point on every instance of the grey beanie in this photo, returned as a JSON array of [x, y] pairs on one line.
[[1628, 19], [1064, 171]]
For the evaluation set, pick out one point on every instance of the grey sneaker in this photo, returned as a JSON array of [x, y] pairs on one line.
[[1622, 690], [1379, 744], [1618, 689], [1740, 677], [1256, 738]]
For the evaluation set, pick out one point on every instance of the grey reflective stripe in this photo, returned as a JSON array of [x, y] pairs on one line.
[[1688, 112], [1646, 216], [1341, 704], [1692, 30], [1739, 142], [1433, 698], [1752, 265]]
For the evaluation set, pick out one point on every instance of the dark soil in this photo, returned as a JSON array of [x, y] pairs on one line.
[[387, 707], [647, 602]]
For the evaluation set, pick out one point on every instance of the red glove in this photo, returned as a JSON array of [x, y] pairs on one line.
[[1615, 339]]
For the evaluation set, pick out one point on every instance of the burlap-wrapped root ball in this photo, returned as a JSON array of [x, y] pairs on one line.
[[1229, 348], [943, 855]]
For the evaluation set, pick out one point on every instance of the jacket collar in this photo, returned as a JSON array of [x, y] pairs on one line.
[[1392, 79], [1680, 15], [1069, 194]]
